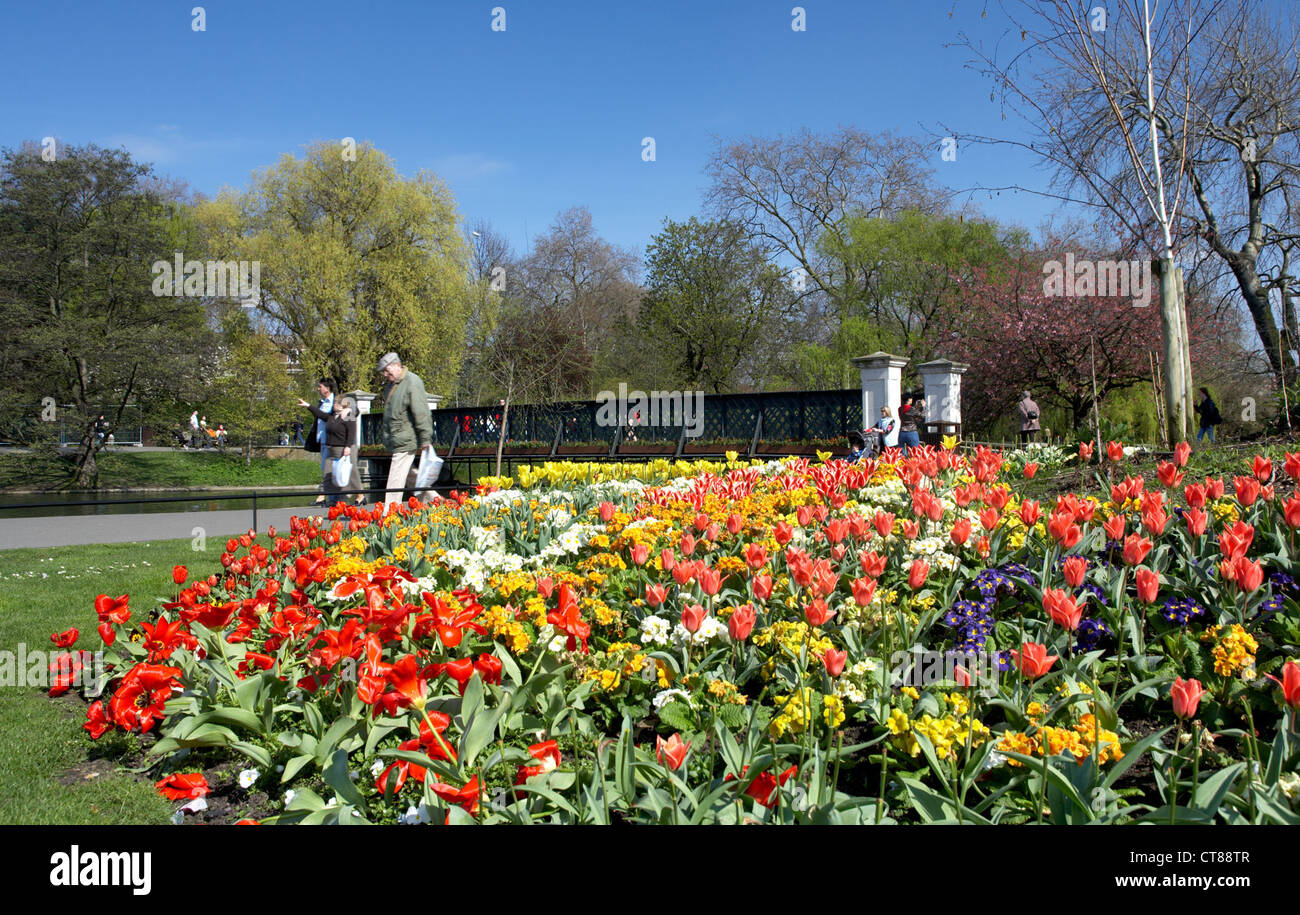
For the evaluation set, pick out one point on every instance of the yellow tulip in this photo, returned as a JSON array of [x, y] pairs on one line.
[[949, 442]]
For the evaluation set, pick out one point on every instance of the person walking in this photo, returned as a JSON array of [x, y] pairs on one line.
[[910, 418], [1028, 411], [297, 433], [408, 426], [340, 434], [194, 429], [327, 388], [1210, 416]]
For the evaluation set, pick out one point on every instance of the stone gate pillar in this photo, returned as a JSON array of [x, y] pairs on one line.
[[882, 380], [941, 379]]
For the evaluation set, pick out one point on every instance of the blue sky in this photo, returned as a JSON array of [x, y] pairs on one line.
[[521, 124]]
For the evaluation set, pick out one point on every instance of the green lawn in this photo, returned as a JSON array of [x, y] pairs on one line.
[[174, 469], [50, 771]]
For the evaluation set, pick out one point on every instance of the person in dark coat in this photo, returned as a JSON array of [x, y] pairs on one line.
[[910, 418], [340, 434], [1208, 410]]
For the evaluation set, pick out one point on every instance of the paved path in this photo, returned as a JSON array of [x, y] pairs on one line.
[[74, 530]]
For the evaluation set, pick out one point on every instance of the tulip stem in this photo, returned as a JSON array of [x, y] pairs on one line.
[[1173, 777]]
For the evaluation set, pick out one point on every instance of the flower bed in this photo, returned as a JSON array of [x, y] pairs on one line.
[[893, 641]]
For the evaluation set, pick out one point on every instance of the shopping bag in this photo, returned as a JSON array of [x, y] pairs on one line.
[[342, 471], [430, 468]]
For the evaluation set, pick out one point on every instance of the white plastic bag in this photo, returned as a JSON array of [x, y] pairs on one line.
[[429, 469], [342, 471]]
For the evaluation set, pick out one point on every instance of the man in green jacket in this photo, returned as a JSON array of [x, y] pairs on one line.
[[408, 427]]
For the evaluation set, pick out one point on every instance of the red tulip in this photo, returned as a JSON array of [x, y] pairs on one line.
[[1030, 470], [1148, 585], [804, 515], [782, 532], [1235, 540], [1114, 527], [864, 591], [667, 559], [989, 518], [741, 622], [683, 572], [1263, 468], [834, 661], [692, 617], [710, 581], [1062, 608], [1115, 451], [762, 587], [1187, 696], [1136, 548], [1250, 574], [1292, 466], [1074, 568], [884, 522], [960, 532], [606, 512], [640, 553], [687, 543], [1169, 474], [911, 530], [1214, 488], [179, 574], [1182, 451], [873, 564], [655, 594], [755, 556], [997, 497], [1196, 519], [1290, 683], [1291, 511], [918, 572], [818, 613], [1029, 513], [1194, 493], [182, 786], [1033, 659], [735, 523], [66, 638], [1247, 489], [1085, 452], [671, 753], [545, 586]]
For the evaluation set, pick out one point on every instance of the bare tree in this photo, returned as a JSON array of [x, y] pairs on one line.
[[1179, 120], [586, 283], [793, 195]]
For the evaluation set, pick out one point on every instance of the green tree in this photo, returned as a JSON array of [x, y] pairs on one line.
[[709, 295], [252, 392], [85, 333], [355, 261]]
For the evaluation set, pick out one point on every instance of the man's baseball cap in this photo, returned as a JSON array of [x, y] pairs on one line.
[[386, 360]]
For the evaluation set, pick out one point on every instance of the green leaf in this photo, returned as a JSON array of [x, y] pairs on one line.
[[678, 716], [1131, 755], [259, 755], [336, 776], [1209, 793], [294, 766]]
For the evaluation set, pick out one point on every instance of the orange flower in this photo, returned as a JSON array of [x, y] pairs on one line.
[[1062, 608], [917, 574], [1136, 548], [180, 786], [1075, 568]]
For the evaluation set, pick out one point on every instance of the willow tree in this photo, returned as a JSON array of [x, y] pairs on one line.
[[356, 260]]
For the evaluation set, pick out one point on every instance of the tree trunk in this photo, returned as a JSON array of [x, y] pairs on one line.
[[1243, 268]]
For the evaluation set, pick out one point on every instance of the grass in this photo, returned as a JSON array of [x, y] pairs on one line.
[[172, 469], [50, 771]]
